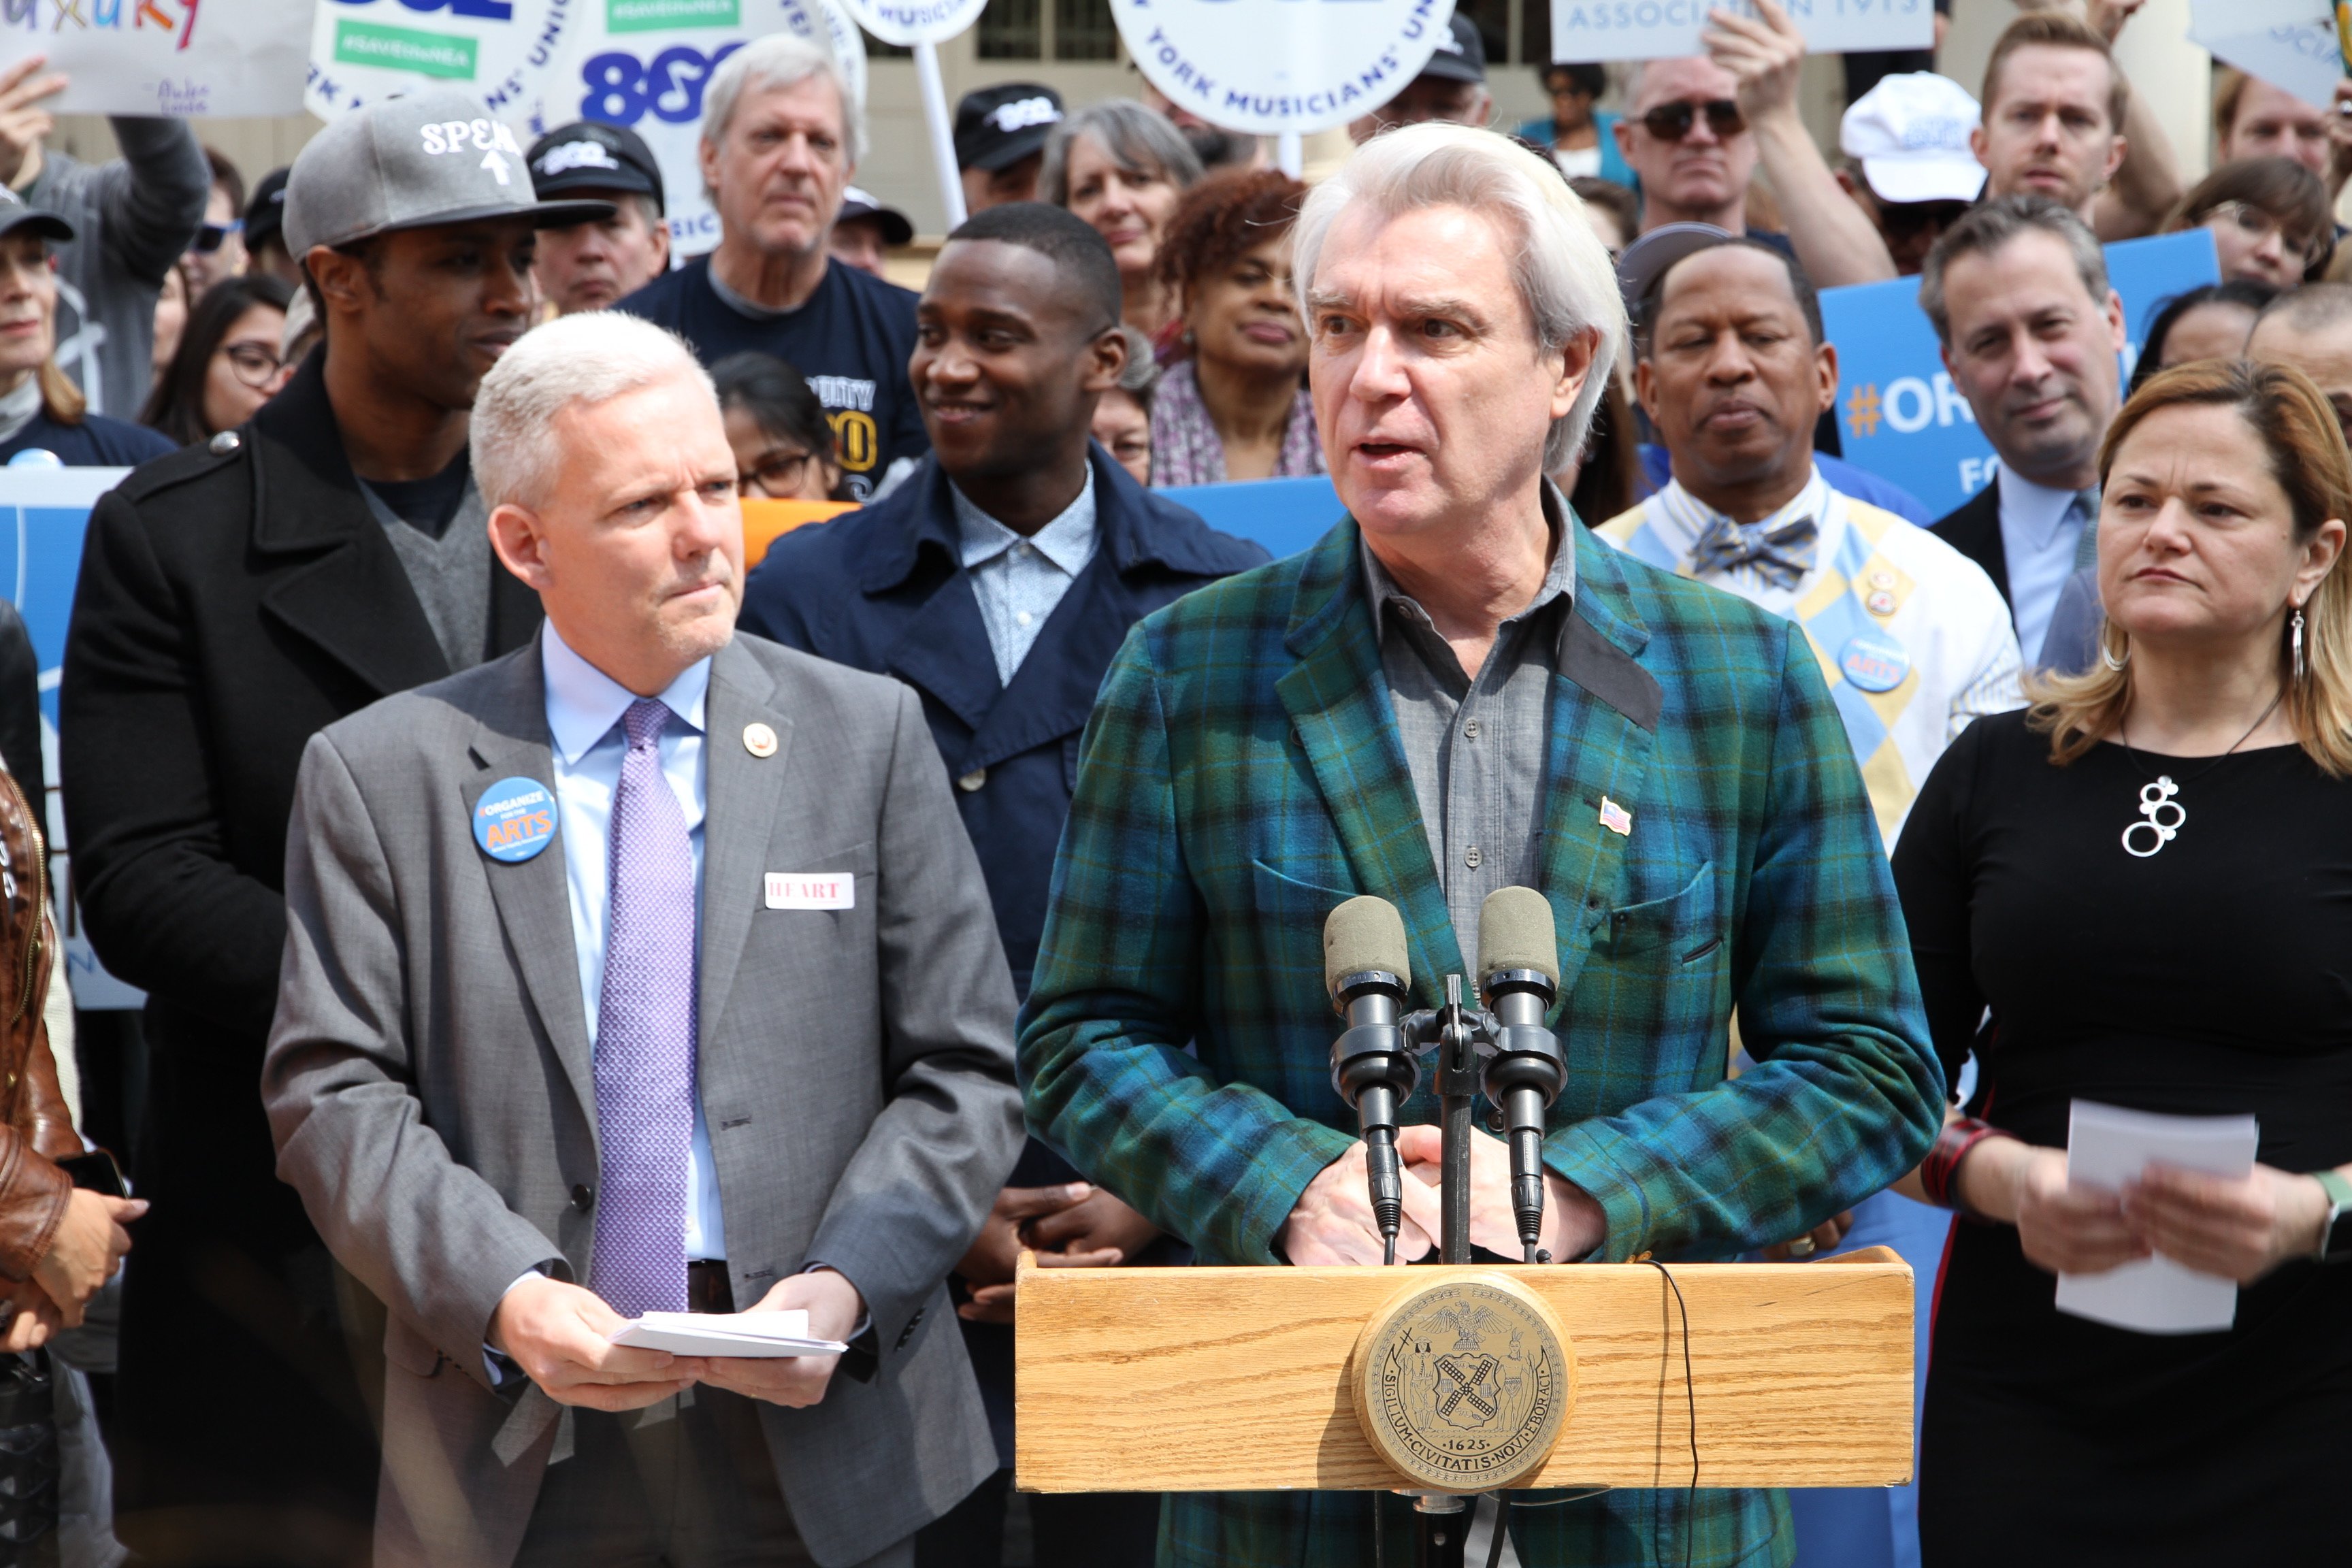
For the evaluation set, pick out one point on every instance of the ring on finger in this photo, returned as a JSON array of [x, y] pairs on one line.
[[1803, 1246]]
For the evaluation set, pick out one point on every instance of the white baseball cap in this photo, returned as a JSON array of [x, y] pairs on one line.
[[1911, 135]]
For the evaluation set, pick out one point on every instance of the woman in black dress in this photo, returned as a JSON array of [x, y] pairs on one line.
[[2146, 877]]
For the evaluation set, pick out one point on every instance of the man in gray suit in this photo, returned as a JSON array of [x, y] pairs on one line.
[[743, 1037]]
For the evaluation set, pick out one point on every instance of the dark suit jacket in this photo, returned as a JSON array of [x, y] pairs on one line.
[[231, 605], [1973, 528]]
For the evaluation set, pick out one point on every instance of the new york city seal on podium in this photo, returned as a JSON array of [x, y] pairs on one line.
[[1462, 1385]]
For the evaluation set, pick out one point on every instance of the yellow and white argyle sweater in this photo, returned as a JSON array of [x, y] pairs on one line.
[[1911, 635]]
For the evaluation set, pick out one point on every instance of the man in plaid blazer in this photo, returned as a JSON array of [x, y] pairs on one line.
[[1458, 689]]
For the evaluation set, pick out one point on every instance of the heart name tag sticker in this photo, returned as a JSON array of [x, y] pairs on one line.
[[1875, 661], [812, 891], [515, 819]]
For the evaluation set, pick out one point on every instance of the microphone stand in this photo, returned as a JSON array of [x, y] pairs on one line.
[[1458, 1037]]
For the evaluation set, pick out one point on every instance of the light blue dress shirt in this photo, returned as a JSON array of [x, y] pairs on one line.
[[1018, 580], [2041, 534], [584, 719]]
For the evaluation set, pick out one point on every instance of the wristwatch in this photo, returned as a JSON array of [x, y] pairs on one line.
[[2335, 1239]]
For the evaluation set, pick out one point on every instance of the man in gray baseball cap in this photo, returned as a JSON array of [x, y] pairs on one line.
[[236, 597]]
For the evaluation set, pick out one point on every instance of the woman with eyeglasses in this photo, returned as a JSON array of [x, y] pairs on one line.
[[227, 364], [784, 446], [2269, 218]]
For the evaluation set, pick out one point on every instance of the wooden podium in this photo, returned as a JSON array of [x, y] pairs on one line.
[[1252, 1379]]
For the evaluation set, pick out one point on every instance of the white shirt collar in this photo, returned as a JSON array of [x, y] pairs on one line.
[[583, 703], [1069, 542], [2034, 511]]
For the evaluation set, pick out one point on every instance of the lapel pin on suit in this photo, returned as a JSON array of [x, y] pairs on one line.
[[514, 819], [1616, 818], [759, 740]]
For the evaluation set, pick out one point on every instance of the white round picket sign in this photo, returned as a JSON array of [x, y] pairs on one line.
[[909, 22], [1274, 65]]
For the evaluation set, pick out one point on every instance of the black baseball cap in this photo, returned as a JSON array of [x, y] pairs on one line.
[[587, 156], [265, 215], [996, 127], [1461, 54], [16, 215], [856, 204]]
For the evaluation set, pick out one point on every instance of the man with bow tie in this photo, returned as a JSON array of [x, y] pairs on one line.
[[1911, 635]]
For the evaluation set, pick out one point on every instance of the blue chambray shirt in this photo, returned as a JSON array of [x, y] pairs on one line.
[[1018, 580]]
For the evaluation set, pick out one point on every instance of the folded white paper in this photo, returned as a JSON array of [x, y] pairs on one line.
[[759, 1334], [2106, 1147]]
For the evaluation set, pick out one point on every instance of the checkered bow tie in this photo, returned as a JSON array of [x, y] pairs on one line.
[[1781, 554]]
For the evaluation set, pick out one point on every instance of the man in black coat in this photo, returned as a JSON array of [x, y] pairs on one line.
[[998, 581], [234, 598]]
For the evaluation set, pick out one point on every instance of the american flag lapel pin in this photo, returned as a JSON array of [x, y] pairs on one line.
[[1616, 818]]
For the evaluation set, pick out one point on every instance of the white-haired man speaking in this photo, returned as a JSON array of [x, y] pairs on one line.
[[1460, 690], [648, 968], [782, 131]]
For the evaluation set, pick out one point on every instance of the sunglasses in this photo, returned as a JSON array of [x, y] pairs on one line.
[[209, 238], [1911, 219], [1673, 121]]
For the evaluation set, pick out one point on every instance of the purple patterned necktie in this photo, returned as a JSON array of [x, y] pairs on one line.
[[645, 1036]]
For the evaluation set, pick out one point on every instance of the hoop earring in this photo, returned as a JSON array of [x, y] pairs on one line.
[[2109, 660], [2296, 639]]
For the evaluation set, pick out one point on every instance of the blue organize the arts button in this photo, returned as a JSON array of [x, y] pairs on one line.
[[1875, 661], [514, 819]]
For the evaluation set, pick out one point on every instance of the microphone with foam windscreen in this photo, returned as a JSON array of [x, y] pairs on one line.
[[1368, 969], [1518, 977]]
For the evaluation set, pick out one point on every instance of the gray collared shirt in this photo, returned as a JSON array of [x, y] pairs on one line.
[[1018, 580], [1476, 748]]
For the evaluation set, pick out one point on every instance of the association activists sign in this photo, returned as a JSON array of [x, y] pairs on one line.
[[1270, 66]]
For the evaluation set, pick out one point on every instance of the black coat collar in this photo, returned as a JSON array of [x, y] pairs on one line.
[[350, 597]]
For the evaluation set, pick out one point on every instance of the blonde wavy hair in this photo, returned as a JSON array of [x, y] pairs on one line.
[[2311, 463]]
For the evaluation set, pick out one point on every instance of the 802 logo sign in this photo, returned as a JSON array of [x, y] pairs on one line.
[[622, 90]]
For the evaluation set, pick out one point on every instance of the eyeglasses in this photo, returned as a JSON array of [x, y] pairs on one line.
[[255, 365], [777, 476], [1673, 121], [209, 238], [2258, 226]]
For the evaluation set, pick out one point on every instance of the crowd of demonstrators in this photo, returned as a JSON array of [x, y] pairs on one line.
[[1123, 413], [866, 230], [40, 407], [217, 252], [236, 597], [227, 362], [2222, 704], [1123, 170], [1580, 137], [1906, 161], [2254, 118], [1697, 131], [1000, 142], [265, 231], [781, 439], [2018, 293], [2210, 322], [1233, 405], [590, 265], [782, 131], [2270, 220], [999, 582], [132, 218], [1450, 89]]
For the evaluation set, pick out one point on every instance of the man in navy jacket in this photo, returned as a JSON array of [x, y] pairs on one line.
[[998, 581]]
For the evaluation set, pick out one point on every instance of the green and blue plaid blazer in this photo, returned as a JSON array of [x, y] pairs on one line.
[[1242, 774]]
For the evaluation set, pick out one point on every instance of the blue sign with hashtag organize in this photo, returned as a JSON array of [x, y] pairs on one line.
[[1898, 413]]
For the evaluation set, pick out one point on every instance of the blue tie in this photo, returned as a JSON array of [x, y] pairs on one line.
[[1781, 554], [645, 1036], [2085, 505]]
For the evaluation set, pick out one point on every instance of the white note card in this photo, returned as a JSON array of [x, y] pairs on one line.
[[766, 1335], [2106, 1147], [812, 891]]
